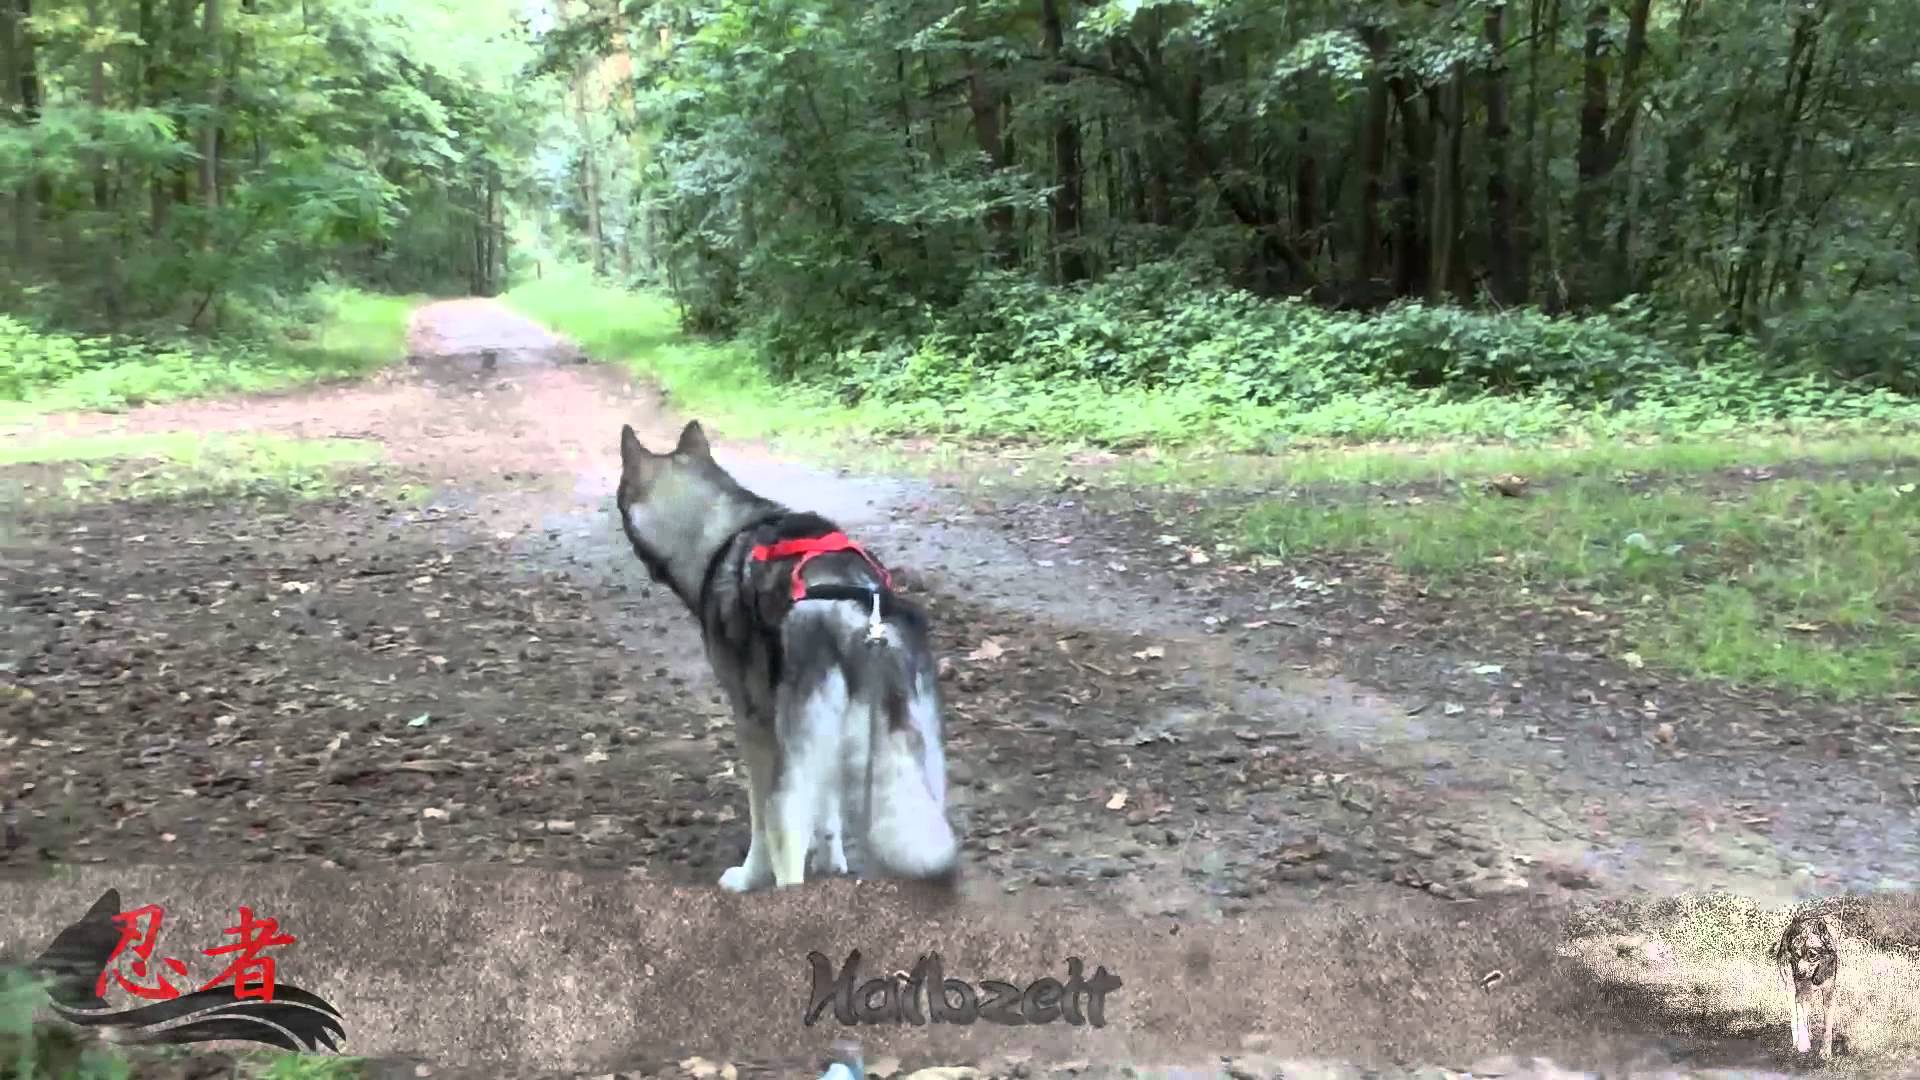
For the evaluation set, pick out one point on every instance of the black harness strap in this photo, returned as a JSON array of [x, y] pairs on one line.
[[720, 553]]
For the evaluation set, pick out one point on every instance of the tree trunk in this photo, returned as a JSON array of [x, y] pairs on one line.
[[110, 241], [1591, 157], [496, 262], [97, 97], [1446, 106], [152, 36], [1373, 158], [1527, 203], [9, 84], [984, 100], [590, 179], [1502, 281], [1065, 203], [36, 190], [210, 134], [1410, 243], [1769, 178]]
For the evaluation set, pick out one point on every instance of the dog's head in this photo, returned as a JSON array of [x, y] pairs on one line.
[[674, 505], [1806, 953]]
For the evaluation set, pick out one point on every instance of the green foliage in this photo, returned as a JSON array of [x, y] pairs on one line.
[[356, 137], [30, 1051], [1149, 355], [883, 199], [344, 333], [313, 1067]]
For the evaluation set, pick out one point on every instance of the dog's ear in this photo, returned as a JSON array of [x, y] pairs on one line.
[[636, 462], [693, 441]]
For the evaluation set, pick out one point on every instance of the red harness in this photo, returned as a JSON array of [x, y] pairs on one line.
[[807, 547]]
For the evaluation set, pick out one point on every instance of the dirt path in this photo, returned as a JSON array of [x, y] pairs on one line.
[[485, 677]]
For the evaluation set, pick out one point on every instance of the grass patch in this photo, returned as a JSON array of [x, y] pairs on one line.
[[351, 334], [178, 465], [1797, 583], [721, 382], [1381, 464]]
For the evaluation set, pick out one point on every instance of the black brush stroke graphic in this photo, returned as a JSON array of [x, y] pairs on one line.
[[294, 1020]]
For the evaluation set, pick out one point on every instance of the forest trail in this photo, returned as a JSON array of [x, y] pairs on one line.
[[1125, 730]]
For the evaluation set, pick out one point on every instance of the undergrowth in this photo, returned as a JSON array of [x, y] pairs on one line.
[[337, 333], [1158, 355]]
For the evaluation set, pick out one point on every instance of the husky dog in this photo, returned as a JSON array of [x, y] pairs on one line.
[[1809, 966], [830, 675]]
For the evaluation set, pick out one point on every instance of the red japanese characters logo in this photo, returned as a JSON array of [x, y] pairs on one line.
[[243, 1002], [251, 974]]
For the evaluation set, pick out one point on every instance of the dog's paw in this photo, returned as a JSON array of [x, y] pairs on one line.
[[739, 879]]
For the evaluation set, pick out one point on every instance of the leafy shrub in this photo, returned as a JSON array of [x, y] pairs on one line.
[[1873, 338], [325, 333], [1167, 353]]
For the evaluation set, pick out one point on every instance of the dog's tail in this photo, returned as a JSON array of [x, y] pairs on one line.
[[908, 834]]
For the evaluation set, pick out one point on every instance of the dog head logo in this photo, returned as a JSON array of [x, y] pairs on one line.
[[245, 1002]]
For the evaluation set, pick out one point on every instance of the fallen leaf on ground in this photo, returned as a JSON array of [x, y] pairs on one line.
[[989, 649]]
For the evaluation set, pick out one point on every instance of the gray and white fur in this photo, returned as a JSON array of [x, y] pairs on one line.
[[834, 732], [1808, 959]]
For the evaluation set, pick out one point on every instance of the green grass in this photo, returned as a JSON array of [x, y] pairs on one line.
[[355, 333], [1805, 584], [1186, 469], [178, 465], [721, 383]]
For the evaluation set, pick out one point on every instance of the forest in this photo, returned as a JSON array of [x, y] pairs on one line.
[[1237, 216]]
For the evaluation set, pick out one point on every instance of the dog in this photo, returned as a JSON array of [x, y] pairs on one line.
[[1809, 966], [830, 674]]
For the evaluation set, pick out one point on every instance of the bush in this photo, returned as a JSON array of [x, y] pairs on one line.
[[1167, 353], [330, 333]]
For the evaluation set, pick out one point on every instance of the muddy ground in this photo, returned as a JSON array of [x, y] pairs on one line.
[[1136, 719]]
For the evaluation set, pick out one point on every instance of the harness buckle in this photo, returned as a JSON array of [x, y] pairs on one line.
[[875, 635]]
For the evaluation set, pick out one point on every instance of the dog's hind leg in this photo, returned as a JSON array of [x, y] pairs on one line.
[[809, 768], [790, 831], [833, 827], [756, 872]]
